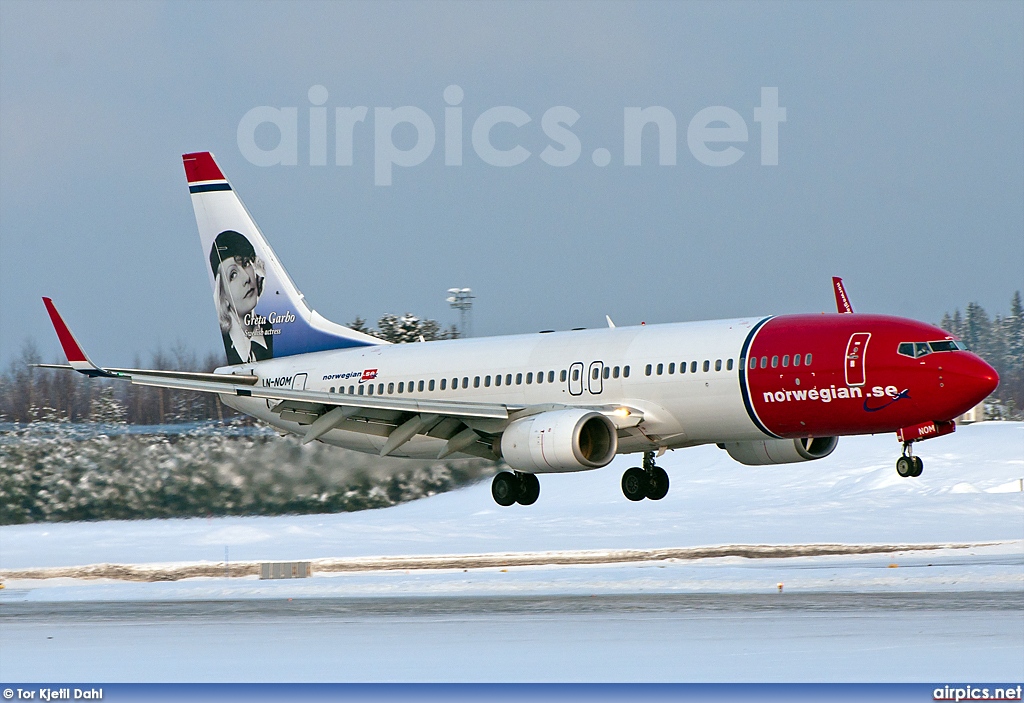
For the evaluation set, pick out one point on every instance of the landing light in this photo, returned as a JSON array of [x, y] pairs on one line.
[[621, 412]]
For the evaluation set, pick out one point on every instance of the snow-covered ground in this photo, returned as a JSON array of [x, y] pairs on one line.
[[911, 615], [970, 492]]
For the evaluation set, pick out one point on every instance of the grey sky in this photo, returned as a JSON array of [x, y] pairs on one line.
[[901, 163]]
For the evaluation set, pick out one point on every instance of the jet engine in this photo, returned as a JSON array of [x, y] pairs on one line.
[[780, 451], [560, 440]]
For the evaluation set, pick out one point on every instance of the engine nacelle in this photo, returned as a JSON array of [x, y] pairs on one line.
[[780, 451], [560, 440]]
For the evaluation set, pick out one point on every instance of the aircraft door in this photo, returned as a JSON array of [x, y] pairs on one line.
[[856, 350], [576, 378], [595, 382], [299, 382]]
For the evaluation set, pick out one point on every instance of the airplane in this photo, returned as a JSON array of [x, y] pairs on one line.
[[767, 390]]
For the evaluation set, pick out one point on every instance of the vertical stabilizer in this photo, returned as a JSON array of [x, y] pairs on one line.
[[262, 315]]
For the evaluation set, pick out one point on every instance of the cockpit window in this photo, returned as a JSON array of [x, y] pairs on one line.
[[915, 350]]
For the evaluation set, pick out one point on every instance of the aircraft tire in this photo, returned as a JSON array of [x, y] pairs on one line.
[[529, 489], [918, 466], [505, 488], [657, 487], [634, 483], [905, 467]]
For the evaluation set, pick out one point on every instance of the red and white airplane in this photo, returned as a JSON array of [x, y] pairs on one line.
[[768, 390]]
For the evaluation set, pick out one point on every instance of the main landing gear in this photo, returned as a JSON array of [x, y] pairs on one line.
[[649, 482], [908, 465], [514, 487]]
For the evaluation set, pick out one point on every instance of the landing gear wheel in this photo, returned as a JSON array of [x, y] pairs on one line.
[[657, 486], [918, 466], [505, 488], [634, 483], [905, 466], [529, 489]]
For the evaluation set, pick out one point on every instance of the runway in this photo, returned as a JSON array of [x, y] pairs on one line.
[[657, 637]]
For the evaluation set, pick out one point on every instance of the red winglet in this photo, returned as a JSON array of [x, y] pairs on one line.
[[200, 166], [72, 349], [842, 300]]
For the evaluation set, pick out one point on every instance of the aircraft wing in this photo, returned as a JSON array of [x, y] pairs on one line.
[[467, 426]]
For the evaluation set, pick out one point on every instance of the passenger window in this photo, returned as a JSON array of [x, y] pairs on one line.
[[529, 378], [561, 376], [361, 390], [764, 362], [647, 371], [476, 382], [807, 360], [444, 382], [625, 371], [728, 365], [351, 390], [575, 374], [682, 367], [718, 364], [380, 389], [707, 366], [401, 387], [693, 367], [753, 363], [775, 361], [369, 389], [661, 369], [465, 381], [785, 361], [431, 384], [508, 379], [796, 360], [519, 379], [607, 372], [497, 380], [671, 368], [391, 388], [615, 372], [540, 377], [487, 381], [551, 376], [332, 389]]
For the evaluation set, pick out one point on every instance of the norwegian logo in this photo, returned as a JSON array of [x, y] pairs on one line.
[[368, 375]]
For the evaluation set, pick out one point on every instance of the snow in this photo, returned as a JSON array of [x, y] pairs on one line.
[[851, 497], [953, 612]]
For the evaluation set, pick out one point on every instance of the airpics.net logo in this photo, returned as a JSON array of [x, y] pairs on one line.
[[716, 136]]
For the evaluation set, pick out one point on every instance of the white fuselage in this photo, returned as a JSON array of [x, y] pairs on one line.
[[580, 368]]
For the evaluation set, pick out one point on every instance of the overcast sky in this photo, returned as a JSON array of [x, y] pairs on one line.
[[900, 163]]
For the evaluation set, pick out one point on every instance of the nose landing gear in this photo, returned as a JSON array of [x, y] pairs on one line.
[[508, 488], [908, 465], [649, 482]]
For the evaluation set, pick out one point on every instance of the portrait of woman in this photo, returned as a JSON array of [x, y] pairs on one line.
[[238, 283]]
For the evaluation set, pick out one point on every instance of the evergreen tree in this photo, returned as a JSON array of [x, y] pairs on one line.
[[1013, 327]]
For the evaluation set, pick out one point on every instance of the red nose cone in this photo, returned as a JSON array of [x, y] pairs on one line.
[[975, 379]]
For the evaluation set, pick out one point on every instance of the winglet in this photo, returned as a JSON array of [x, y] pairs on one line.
[[842, 300], [77, 357]]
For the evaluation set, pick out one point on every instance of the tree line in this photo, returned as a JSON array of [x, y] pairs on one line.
[[998, 340]]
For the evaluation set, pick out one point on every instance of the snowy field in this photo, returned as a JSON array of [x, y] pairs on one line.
[[967, 616]]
